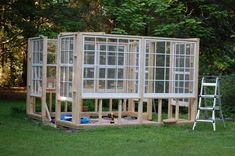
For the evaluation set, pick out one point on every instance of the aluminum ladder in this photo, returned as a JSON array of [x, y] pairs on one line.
[[210, 92]]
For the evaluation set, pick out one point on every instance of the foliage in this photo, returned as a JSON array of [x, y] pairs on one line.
[[211, 21], [228, 94]]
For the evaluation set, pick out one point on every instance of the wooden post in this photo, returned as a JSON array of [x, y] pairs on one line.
[[171, 81], [140, 111], [149, 108], [131, 105], [119, 110], [44, 79], [33, 104], [177, 110], [194, 103], [77, 78], [142, 73], [151, 64], [189, 109], [58, 110], [57, 94], [159, 111], [193, 109], [110, 105], [170, 108], [29, 78], [30, 103], [100, 110], [124, 105]]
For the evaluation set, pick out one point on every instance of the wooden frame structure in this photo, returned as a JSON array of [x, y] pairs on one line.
[[131, 71], [41, 77]]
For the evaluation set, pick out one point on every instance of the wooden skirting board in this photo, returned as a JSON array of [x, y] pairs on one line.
[[104, 123], [174, 121]]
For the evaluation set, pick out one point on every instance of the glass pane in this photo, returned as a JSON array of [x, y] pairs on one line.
[[102, 84], [160, 60], [159, 87], [102, 47], [188, 49], [120, 74], [70, 73], [89, 57], [112, 48], [89, 39], [111, 73], [102, 58], [102, 73], [71, 57], [160, 47], [120, 58], [111, 84], [88, 72], [120, 85], [70, 89], [111, 58], [88, 84], [89, 47], [120, 49], [159, 74], [62, 72]]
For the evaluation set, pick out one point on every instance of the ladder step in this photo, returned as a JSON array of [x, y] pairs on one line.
[[200, 120], [209, 108], [209, 96], [206, 108], [209, 84]]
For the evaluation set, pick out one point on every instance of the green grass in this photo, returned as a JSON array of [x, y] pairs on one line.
[[20, 136]]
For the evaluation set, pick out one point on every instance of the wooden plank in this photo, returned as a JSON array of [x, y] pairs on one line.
[[119, 109], [131, 105], [171, 70], [58, 110], [66, 124], [170, 121], [194, 103], [159, 113], [57, 101], [29, 77], [151, 77], [48, 113], [124, 105], [189, 108], [102, 34], [170, 108], [77, 79], [35, 116], [100, 110], [149, 108], [141, 81], [177, 110], [44, 78], [32, 104]]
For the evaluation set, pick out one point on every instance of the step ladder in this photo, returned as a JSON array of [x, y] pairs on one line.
[[209, 101]]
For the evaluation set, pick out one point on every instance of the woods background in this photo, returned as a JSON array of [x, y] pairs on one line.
[[213, 21]]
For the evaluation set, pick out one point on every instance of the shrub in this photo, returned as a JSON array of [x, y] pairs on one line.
[[228, 95]]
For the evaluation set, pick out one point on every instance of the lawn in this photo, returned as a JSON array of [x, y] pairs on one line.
[[20, 136]]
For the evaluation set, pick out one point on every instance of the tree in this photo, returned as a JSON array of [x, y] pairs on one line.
[[211, 21]]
